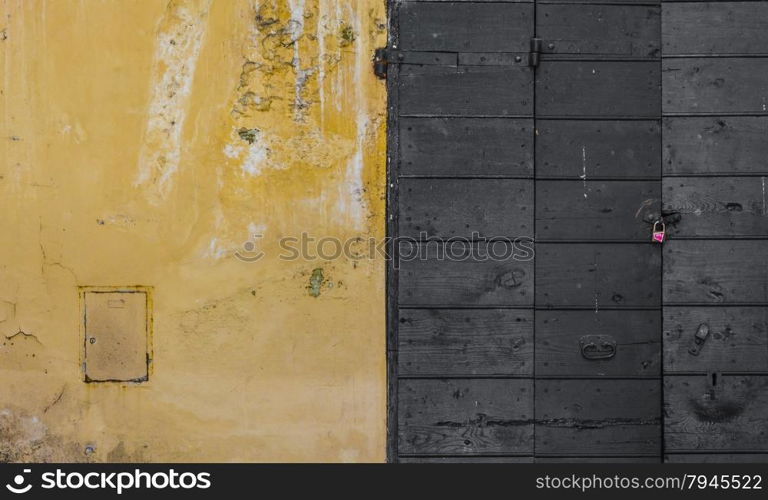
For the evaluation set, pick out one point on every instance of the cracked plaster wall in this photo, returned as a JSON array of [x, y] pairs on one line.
[[142, 144]]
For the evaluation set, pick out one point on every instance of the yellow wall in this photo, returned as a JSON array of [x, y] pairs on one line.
[[122, 165]]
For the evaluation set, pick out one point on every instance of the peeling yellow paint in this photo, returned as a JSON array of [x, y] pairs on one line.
[[124, 163]]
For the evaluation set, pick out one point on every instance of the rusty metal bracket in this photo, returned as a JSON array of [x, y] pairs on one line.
[[380, 62], [702, 334], [596, 347]]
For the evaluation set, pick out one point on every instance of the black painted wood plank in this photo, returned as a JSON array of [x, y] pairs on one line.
[[664, 2], [642, 2], [446, 208], [466, 27], [466, 417], [467, 1], [466, 147], [466, 460], [721, 206], [598, 460], [619, 30], [598, 275], [597, 89], [604, 149], [561, 335], [731, 415], [468, 278], [737, 341], [694, 28], [720, 85], [715, 145], [715, 272], [716, 458], [464, 342], [596, 210], [598, 417], [465, 90]]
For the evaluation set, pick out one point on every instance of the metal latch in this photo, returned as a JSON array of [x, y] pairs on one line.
[[534, 55], [380, 62], [702, 333], [595, 347]]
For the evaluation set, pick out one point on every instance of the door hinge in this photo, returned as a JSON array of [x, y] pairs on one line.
[[380, 62], [534, 54]]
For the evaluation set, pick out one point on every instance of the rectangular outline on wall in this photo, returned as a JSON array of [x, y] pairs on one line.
[[148, 293]]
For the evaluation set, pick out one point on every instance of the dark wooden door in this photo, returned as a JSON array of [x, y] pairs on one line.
[[461, 150], [715, 86], [518, 120], [598, 275]]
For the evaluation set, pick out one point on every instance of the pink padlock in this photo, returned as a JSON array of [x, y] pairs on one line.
[[658, 236]]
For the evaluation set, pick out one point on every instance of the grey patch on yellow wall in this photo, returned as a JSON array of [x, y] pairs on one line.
[[249, 135], [117, 333], [316, 282], [25, 438], [347, 35]]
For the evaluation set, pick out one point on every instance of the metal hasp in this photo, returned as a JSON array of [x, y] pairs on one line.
[[534, 55], [595, 347], [380, 62], [702, 333]]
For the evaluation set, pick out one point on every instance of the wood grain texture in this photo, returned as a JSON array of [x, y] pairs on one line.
[[596, 210], [466, 460], [597, 275], [715, 272], [715, 145], [466, 27], [446, 208], [719, 85], [716, 458], [466, 147], [722, 206], [439, 342], [732, 415], [598, 417], [699, 28], [426, 277], [598, 460], [737, 341], [468, 1], [605, 149], [465, 90], [637, 335], [466, 417], [619, 30], [645, 2], [598, 89]]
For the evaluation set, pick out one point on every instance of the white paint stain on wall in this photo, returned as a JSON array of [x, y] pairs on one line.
[[181, 34], [257, 155], [296, 26], [253, 157], [351, 199], [322, 8]]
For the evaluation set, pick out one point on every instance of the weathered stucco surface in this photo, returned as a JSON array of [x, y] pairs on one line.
[[143, 142]]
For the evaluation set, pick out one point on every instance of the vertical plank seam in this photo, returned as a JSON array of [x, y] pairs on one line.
[[533, 156]]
